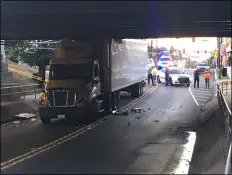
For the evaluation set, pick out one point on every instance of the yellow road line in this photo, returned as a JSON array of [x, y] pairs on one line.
[[25, 74], [66, 138]]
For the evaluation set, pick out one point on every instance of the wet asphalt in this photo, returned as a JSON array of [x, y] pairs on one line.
[[144, 142]]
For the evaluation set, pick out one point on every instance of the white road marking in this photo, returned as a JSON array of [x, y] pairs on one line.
[[202, 100], [201, 97], [202, 89], [200, 92], [193, 96], [186, 157]]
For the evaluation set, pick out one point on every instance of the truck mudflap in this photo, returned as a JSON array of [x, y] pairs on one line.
[[53, 112]]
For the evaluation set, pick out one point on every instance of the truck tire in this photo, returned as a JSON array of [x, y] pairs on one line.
[[158, 79], [170, 82], [107, 103], [45, 120], [136, 90], [141, 89]]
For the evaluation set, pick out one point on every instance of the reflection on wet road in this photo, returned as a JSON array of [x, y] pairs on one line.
[[145, 141]]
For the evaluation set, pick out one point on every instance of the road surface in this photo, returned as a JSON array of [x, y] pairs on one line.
[[146, 142]]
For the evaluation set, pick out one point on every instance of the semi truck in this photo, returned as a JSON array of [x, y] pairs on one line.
[[87, 76]]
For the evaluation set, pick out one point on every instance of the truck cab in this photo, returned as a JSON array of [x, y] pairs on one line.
[[73, 84]]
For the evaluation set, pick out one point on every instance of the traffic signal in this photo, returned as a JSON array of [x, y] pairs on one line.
[[198, 51], [193, 39], [205, 51]]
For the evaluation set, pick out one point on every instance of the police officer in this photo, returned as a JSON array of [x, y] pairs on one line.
[[149, 77], [154, 72], [166, 71], [196, 75]]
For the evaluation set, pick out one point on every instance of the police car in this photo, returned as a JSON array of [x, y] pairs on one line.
[[176, 76], [165, 61]]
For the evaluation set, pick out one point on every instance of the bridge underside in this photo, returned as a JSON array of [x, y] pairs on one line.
[[56, 20]]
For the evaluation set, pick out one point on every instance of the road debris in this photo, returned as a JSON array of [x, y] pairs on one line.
[[33, 119], [137, 110], [25, 115], [89, 128], [116, 112], [16, 122], [202, 108]]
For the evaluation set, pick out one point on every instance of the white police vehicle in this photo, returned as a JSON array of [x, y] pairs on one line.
[[165, 61], [176, 76]]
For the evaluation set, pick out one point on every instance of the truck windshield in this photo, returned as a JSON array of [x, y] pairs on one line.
[[71, 71]]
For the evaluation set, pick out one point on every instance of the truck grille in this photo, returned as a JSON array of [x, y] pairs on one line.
[[61, 98], [183, 80]]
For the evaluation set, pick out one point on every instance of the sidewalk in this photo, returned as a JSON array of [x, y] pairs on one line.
[[10, 110]]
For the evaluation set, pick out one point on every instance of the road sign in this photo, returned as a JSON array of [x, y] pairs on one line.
[[215, 54]]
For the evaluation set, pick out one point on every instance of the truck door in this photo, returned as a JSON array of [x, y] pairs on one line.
[[96, 78]]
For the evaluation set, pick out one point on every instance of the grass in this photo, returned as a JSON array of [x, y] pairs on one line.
[[222, 78]]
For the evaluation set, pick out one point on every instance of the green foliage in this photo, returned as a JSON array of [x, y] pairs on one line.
[[28, 52]]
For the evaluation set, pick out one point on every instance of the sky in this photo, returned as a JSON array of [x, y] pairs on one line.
[[201, 43]]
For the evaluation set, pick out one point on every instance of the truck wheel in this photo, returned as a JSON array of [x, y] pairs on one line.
[[107, 103], [141, 88], [158, 79], [135, 91], [45, 120], [170, 82]]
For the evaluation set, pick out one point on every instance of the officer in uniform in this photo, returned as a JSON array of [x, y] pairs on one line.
[[196, 75], [166, 71]]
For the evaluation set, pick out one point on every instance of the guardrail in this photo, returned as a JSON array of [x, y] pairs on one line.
[[224, 86], [227, 118], [15, 93]]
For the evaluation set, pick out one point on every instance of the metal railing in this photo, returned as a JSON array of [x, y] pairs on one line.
[[224, 86], [17, 93], [227, 119]]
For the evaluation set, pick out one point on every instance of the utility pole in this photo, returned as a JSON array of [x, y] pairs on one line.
[[156, 43], [219, 57]]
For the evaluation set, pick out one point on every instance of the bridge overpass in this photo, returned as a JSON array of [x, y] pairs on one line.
[[131, 19]]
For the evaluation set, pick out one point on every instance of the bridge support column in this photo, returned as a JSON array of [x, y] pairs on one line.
[[6, 77]]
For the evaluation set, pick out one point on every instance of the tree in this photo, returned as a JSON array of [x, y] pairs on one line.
[[31, 53]]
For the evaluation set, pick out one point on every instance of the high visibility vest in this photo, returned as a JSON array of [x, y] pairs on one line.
[[207, 74], [154, 71]]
